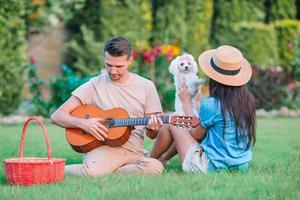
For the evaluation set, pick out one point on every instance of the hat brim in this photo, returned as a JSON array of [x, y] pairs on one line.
[[233, 80]]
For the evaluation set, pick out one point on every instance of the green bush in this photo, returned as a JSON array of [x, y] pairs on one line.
[[41, 14], [164, 83], [184, 23], [129, 18], [61, 88], [292, 99], [268, 87], [87, 56], [229, 12], [12, 57], [258, 43], [278, 9], [169, 24], [84, 13], [295, 69], [93, 25], [198, 20], [153, 64], [288, 35], [41, 106]]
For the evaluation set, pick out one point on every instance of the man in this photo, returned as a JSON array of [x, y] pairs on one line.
[[115, 87]]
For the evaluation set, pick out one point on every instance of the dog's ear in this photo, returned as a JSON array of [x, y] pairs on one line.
[[195, 66], [173, 66]]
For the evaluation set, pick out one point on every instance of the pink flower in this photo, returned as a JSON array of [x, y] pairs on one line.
[[32, 60], [156, 51], [291, 86], [290, 45], [169, 55], [278, 69]]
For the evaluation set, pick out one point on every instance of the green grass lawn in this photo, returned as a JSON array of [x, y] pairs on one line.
[[274, 171]]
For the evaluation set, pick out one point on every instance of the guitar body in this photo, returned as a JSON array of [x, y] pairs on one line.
[[83, 142]]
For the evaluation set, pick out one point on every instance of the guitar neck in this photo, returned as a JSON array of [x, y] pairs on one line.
[[118, 122]]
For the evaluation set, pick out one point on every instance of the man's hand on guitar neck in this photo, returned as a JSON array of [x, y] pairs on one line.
[[94, 127], [154, 124]]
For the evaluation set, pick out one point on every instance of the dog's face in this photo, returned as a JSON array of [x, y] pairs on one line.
[[183, 64]]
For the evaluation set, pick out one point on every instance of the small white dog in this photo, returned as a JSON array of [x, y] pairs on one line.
[[184, 69]]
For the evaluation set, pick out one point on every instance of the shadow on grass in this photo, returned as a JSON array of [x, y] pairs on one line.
[[3, 180], [174, 165]]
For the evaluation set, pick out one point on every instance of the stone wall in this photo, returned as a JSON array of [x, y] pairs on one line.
[[47, 50]]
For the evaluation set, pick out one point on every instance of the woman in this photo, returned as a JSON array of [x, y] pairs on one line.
[[226, 133]]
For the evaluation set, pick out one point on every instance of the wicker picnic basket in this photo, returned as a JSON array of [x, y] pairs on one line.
[[33, 170]]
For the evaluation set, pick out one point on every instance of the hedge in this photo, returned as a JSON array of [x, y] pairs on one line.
[[198, 20], [288, 37], [258, 43], [227, 13], [169, 25], [278, 10], [86, 54], [129, 18], [105, 19], [12, 57]]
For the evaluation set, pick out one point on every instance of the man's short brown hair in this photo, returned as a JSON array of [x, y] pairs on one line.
[[118, 46]]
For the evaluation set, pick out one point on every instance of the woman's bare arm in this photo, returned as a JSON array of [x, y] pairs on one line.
[[199, 132]]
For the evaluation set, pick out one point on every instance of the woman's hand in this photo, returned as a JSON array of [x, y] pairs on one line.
[[184, 95], [186, 100]]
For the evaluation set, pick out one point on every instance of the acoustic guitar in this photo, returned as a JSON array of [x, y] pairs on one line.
[[119, 126]]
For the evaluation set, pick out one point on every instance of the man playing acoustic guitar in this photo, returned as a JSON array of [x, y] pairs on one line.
[[114, 87]]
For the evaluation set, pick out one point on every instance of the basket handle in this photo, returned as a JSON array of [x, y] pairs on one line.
[[40, 121]]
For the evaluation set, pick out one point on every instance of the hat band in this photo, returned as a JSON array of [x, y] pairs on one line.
[[223, 71]]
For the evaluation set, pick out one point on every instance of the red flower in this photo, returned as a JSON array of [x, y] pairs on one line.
[[148, 56], [135, 54], [156, 51], [32, 60], [169, 55]]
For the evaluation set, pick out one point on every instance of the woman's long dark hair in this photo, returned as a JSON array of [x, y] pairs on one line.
[[239, 103]]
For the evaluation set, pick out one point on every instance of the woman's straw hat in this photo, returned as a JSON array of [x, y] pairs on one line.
[[226, 65]]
